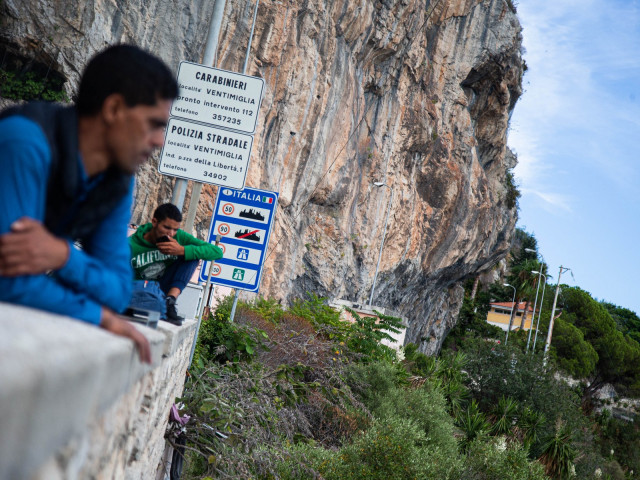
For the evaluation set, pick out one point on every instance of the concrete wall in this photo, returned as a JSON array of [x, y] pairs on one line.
[[76, 403]]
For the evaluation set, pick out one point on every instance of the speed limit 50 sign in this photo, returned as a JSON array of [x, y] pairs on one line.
[[243, 219]]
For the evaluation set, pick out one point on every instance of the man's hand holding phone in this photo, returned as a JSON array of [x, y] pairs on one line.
[[169, 246]]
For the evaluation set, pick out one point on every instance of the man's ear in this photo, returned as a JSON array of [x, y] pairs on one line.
[[154, 222], [112, 107]]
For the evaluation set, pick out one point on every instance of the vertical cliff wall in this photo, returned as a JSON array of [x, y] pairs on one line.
[[413, 94]]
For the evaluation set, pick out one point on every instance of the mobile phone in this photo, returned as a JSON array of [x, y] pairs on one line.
[[164, 238]]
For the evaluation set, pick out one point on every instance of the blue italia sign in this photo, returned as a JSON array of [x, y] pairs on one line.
[[243, 219]]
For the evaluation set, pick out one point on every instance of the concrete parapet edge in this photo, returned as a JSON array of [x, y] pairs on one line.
[[58, 376]]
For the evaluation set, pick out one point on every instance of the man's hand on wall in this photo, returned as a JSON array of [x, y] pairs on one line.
[[29, 249], [172, 247], [118, 326]]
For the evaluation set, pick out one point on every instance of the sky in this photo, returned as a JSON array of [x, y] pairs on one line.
[[576, 132]]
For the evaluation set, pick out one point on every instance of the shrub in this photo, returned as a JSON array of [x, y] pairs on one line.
[[29, 86], [221, 340], [364, 336], [496, 459], [513, 194], [372, 382], [426, 408], [387, 451]]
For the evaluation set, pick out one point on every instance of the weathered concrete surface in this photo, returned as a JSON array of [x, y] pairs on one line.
[[415, 94], [77, 403]]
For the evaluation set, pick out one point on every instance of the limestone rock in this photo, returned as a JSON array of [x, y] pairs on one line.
[[356, 92]]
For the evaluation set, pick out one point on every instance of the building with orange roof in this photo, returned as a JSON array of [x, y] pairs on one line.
[[499, 314]]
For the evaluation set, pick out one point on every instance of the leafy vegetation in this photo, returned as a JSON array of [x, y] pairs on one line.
[[513, 194], [299, 393], [317, 397], [593, 342], [30, 86]]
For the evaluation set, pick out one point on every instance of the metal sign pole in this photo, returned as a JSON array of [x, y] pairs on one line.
[[180, 186], [197, 188], [235, 304]]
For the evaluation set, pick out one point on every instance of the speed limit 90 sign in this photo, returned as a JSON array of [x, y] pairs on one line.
[[223, 229]]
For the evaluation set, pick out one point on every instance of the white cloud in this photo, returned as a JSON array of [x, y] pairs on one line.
[[576, 109], [552, 202]]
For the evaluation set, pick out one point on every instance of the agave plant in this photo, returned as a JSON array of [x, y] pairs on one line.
[[451, 367], [529, 424], [504, 416], [457, 395], [557, 453], [473, 423]]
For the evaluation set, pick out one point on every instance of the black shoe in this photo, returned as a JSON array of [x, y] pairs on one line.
[[172, 313]]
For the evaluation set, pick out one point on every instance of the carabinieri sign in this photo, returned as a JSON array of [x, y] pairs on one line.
[[243, 219], [210, 133], [218, 97]]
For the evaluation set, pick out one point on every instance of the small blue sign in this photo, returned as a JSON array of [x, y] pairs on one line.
[[243, 219]]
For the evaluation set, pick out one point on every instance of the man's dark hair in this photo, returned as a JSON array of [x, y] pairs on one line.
[[167, 210], [141, 78]]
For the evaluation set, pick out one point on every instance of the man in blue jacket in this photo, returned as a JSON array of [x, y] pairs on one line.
[[67, 178]]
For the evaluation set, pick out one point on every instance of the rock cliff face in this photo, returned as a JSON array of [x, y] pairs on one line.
[[414, 94]]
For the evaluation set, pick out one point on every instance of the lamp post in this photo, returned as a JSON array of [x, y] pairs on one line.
[[553, 311], [535, 337], [531, 250], [513, 303], [533, 317], [384, 232]]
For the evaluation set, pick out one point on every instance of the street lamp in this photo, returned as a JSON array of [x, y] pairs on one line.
[[553, 311], [531, 250], [535, 337], [533, 317], [513, 302], [384, 232]]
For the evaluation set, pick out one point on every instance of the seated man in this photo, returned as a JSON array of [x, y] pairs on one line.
[[161, 251], [67, 176]]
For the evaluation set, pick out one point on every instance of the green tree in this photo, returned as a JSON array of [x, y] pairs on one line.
[[627, 321], [618, 355], [573, 354]]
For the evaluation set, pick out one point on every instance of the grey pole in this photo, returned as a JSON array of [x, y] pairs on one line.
[[179, 191], [180, 186], [553, 311], [253, 27], [233, 307], [533, 317], [513, 304], [535, 337], [384, 232], [197, 188]]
